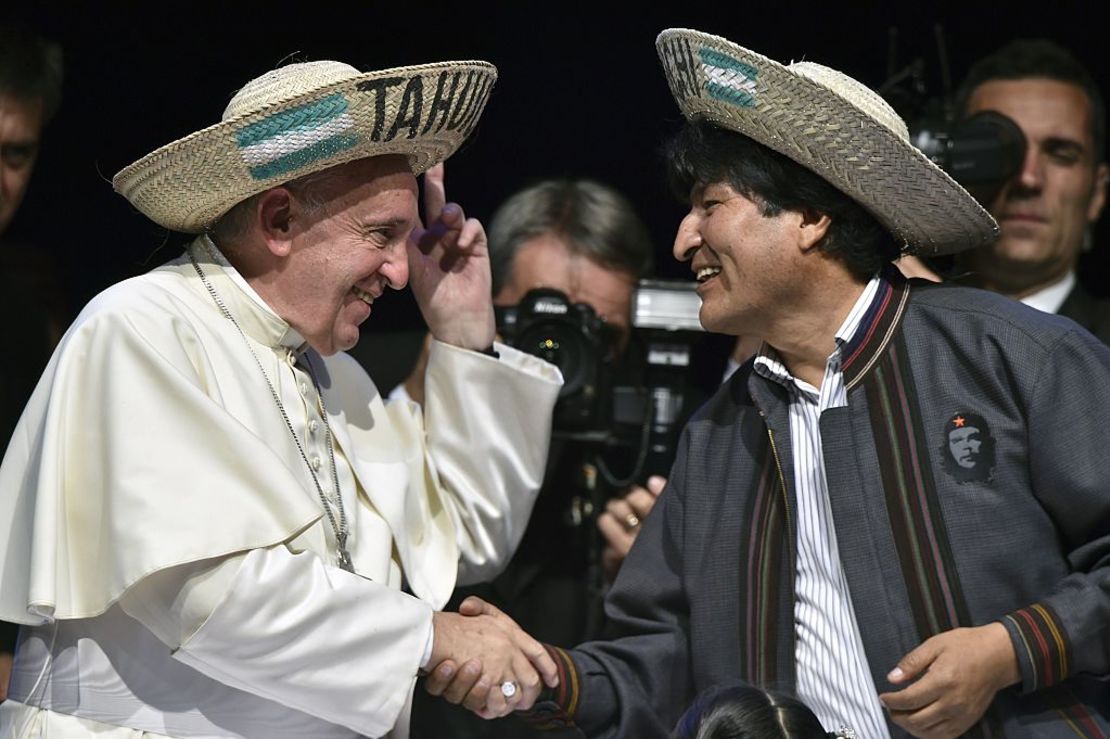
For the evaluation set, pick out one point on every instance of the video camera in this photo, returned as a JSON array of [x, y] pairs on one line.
[[981, 152], [613, 399]]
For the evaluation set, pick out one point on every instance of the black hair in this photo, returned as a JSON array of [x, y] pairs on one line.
[[702, 154], [747, 712], [30, 68]]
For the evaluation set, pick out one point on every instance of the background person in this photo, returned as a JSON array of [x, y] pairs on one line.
[[1047, 211], [30, 93]]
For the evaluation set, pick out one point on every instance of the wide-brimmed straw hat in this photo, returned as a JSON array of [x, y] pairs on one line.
[[832, 125], [303, 118]]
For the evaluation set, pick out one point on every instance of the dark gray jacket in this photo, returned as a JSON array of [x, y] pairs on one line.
[[1020, 533]]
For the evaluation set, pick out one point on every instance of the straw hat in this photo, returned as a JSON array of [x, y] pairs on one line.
[[832, 125], [303, 118]]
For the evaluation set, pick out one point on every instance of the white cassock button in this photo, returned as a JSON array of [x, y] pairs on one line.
[[312, 426], [304, 388], [316, 464]]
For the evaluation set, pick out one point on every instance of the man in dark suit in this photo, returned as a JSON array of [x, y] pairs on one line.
[[1047, 210]]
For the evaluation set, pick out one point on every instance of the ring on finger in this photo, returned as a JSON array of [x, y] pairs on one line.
[[631, 520], [508, 688]]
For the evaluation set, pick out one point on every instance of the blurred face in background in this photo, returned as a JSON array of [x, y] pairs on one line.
[[548, 261], [20, 129], [1045, 209]]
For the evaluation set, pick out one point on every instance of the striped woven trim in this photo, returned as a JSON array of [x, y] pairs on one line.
[[762, 576], [1061, 700], [728, 79], [555, 708], [294, 138], [1045, 643], [913, 507], [876, 328]]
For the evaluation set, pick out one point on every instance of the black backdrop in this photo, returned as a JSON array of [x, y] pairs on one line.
[[580, 94]]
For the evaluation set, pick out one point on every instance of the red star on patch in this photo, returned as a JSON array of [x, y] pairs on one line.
[[959, 421]]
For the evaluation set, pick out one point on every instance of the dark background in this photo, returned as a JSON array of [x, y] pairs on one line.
[[580, 93]]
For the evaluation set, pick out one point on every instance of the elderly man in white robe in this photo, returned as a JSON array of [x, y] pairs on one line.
[[212, 525]]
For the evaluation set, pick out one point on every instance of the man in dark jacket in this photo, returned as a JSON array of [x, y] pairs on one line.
[[822, 529]]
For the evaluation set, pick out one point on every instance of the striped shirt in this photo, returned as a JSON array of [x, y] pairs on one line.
[[833, 677]]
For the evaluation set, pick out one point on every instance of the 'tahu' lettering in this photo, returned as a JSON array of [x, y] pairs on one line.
[[381, 87], [408, 112]]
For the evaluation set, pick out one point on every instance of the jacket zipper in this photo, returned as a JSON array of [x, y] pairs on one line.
[[791, 536]]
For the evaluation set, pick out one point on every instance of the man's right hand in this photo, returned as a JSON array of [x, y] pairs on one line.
[[479, 649], [620, 523]]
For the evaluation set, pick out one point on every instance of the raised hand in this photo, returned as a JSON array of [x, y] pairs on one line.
[[449, 270], [480, 650]]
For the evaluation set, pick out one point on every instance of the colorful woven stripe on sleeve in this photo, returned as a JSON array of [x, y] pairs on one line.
[[1045, 642]]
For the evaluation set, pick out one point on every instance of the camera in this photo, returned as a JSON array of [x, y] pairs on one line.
[[981, 152], [630, 400], [573, 338]]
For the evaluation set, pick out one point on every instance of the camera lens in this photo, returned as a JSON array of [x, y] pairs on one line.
[[562, 344]]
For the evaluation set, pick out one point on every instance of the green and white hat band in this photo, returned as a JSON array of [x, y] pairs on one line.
[[303, 118]]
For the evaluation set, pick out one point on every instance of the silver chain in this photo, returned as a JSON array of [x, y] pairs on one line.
[[339, 528]]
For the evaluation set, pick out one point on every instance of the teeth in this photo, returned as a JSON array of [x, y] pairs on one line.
[[363, 296], [706, 272]]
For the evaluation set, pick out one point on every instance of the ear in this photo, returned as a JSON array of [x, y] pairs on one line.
[[812, 229], [274, 214], [1098, 195]]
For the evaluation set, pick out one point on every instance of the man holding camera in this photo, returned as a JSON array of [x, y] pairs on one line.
[[1048, 209], [584, 240], [811, 535]]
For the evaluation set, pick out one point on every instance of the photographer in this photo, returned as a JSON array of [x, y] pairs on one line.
[[584, 240], [1048, 208]]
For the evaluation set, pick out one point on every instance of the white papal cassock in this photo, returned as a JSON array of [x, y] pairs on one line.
[[165, 547]]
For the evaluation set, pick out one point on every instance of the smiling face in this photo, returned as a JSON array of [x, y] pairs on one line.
[[345, 254], [744, 261], [1045, 208]]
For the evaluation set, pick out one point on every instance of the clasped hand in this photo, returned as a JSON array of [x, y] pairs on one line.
[[480, 649]]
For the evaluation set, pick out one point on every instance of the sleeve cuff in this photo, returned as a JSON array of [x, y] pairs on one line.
[[555, 707], [1041, 645]]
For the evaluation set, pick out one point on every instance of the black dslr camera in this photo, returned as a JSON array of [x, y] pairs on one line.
[[573, 338], [629, 400]]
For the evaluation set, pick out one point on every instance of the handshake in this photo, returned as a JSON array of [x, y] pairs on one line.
[[483, 660]]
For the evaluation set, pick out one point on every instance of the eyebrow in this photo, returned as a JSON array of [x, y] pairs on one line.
[[390, 222]]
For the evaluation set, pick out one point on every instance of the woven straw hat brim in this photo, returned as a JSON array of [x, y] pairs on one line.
[[821, 130], [423, 112]]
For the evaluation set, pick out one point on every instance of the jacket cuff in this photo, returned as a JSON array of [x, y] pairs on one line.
[[1041, 644], [554, 708]]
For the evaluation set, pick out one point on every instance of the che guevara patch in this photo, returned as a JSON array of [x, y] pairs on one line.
[[967, 450]]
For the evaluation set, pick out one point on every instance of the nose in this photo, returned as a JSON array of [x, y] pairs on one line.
[[395, 269], [688, 238], [1031, 176]]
